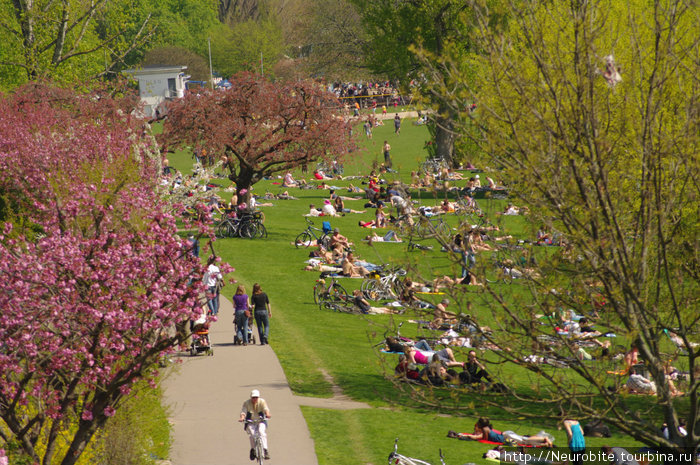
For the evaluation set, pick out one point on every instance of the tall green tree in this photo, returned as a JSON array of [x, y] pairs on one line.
[[68, 40], [590, 110], [239, 47], [396, 29]]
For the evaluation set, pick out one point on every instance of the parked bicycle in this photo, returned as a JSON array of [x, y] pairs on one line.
[[433, 165], [311, 234], [333, 292], [399, 459], [340, 306], [377, 287], [247, 225], [415, 245], [431, 227]]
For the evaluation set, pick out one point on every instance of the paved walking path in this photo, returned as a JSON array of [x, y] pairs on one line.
[[205, 395]]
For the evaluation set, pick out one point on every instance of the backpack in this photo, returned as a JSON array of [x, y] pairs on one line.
[[596, 429], [326, 226]]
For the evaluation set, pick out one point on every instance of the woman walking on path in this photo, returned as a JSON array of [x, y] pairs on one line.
[[241, 315], [261, 306]]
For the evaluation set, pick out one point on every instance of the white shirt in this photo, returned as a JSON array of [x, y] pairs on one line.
[[328, 210], [212, 275]]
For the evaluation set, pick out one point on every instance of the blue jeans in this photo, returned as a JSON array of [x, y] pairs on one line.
[[241, 326], [422, 345], [262, 320], [213, 303]]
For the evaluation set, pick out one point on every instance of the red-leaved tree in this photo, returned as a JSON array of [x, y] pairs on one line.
[[260, 127], [93, 277]]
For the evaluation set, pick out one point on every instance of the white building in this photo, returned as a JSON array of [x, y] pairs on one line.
[[158, 84]]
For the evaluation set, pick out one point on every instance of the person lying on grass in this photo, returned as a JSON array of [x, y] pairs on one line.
[[365, 307], [388, 237], [339, 206], [424, 357], [484, 431]]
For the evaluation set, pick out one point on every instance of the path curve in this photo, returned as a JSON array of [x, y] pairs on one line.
[[205, 395]]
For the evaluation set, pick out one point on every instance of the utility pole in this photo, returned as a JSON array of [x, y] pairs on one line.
[[211, 73]]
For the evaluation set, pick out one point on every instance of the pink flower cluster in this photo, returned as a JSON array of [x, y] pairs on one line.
[[95, 278]]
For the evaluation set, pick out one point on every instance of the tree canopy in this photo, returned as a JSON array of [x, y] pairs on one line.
[[574, 108], [94, 277], [259, 127]]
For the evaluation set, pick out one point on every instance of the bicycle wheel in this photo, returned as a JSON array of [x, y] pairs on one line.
[[442, 229], [374, 290], [223, 229], [365, 284], [262, 231], [259, 451], [424, 229], [303, 240], [319, 289], [249, 230], [338, 293]]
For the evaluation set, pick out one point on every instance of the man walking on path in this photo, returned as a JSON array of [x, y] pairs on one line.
[[397, 124]]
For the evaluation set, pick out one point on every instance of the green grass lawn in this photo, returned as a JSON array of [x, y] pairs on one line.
[[309, 342]]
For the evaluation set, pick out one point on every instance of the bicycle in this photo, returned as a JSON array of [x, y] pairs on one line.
[[248, 225], [334, 292], [430, 227], [398, 459], [415, 245], [377, 287], [433, 165], [340, 306], [259, 449], [305, 238]]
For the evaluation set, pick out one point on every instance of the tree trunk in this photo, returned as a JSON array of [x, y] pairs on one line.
[[444, 138], [244, 181]]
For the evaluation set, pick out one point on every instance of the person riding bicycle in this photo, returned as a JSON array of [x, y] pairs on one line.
[[255, 407]]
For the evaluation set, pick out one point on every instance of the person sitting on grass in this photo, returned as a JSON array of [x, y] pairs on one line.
[[289, 181], [408, 298], [638, 384], [474, 371], [442, 316], [380, 218], [351, 270], [339, 239], [313, 211]]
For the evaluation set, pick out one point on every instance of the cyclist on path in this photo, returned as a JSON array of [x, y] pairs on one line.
[[255, 407]]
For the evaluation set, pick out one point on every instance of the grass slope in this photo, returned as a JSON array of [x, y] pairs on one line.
[[309, 342]]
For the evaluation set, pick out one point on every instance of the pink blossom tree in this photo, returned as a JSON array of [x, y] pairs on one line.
[[259, 127], [93, 277]]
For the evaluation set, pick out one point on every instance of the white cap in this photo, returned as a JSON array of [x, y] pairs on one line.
[[254, 393], [477, 176]]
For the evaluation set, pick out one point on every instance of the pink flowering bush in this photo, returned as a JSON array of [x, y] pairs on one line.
[[94, 281]]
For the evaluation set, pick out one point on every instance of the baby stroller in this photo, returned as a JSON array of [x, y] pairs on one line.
[[251, 335], [200, 336]]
